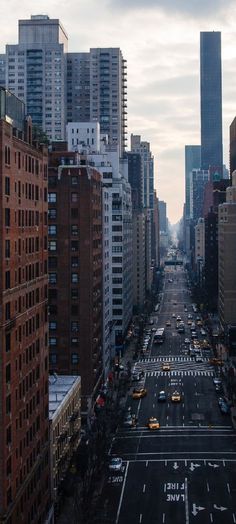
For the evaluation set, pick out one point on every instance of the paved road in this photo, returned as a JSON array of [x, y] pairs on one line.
[[183, 473]]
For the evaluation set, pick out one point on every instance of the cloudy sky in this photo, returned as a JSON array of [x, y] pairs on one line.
[[160, 40]]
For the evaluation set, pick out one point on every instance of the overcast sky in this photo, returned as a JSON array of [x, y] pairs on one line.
[[160, 40]]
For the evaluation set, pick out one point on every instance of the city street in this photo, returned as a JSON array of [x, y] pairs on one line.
[[183, 472]]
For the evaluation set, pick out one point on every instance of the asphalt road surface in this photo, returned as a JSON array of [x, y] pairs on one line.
[[185, 472]]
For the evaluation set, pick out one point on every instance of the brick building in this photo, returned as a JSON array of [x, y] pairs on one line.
[[24, 430], [75, 271]]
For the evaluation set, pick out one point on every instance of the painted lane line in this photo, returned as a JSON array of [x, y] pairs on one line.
[[122, 493], [144, 488], [208, 488], [140, 518], [186, 501], [228, 487], [234, 518], [146, 463], [163, 518], [211, 517]]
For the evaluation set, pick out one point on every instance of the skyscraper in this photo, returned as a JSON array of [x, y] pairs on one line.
[[36, 72], [192, 161], [211, 102]]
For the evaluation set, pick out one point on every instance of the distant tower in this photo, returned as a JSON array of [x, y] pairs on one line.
[[211, 102]]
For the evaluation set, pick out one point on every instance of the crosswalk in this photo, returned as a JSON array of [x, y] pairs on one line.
[[179, 366]]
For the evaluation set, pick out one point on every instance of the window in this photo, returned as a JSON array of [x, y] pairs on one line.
[[8, 342], [52, 325], [52, 341], [7, 249], [7, 185], [74, 245], [53, 358], [7, 280], [52, 230], [52, 245], [74, 326], [74, 180], [52, 213], [52, 262], [8, 404], [74, 358], [74, 341], [74, 198], [52, 198], [8, 311], [74, 294], [74, 261], [74, 230], [7, 217], [8, 373], [74, 278], [52, 278], [74, 212]]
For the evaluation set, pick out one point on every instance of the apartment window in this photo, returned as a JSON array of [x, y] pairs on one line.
[[8, 342], [52, 230], [52, 341], [74, 278], [53, 325], [7, 280], [8, 311], [52, 278], [74, 293], [74, 358], [52, 262], [52, 245], [53, 358], [74, 341], [74, 230], [7, 186], [74, 261], [74, 212], [52, 213], [7, 217], [8, 404], [74, 198], [74, 180], [8, 373], [74, 326], [52, 198], [7, 249]]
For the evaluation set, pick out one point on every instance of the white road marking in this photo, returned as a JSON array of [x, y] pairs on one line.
[[122, 493], [144, 488], [211, 517], [208, 487], [140, 517], [146, 463], [163, 518], [228, 487], [186, 501], [234, 518]]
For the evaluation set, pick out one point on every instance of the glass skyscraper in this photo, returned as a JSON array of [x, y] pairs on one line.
[[211, 101]]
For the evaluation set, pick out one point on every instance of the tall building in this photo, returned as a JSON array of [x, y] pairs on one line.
[[24, 422], [75, 271], [162, 216], [198, 181], [232, 147], [192, 161], [2, 70], [36, 72], [108, 94], [211, 102], [78, 87], [227, 256]]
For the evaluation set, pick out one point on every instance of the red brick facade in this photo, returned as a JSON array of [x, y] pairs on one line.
[[75, 272], [24, 439]]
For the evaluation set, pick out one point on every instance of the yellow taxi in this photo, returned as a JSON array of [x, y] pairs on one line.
[[166, 366], [199, 323], [168, 323], [175, 397], [153, 423], [139, 393]]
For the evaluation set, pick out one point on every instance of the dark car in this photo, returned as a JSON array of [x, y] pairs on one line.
[[161, 396]]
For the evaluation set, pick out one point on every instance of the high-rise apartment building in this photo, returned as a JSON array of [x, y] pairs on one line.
[[78, 87], [36, 71], [232, 147], [75, 271], [108, 94], [162, 216], [211, 102], [192, 161], [2, 70], [198, 181], [227, 256], [24, 423]]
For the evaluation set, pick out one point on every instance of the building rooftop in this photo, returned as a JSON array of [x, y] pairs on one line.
[[59, 387]]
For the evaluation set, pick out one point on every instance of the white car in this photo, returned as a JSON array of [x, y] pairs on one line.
[[115, 464], [186, 341], [203, 332]]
